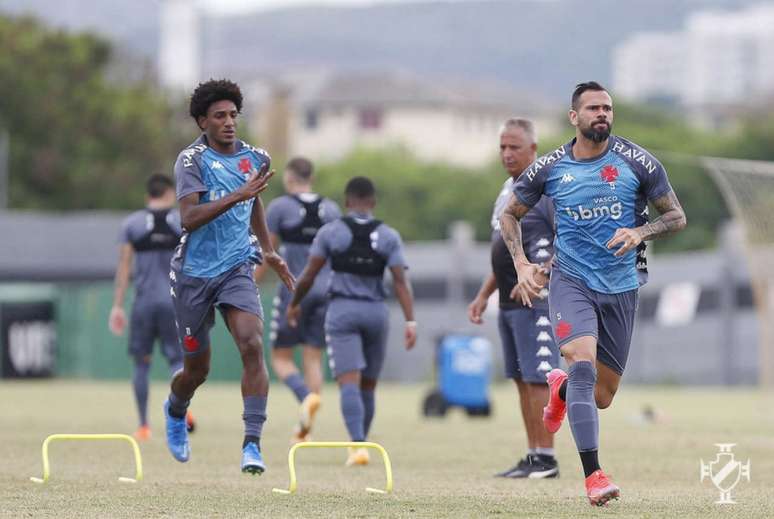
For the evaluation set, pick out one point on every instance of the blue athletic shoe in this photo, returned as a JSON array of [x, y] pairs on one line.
[[252, 461], [177, 436]]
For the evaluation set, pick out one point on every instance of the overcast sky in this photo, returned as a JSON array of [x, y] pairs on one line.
[[240, 5]]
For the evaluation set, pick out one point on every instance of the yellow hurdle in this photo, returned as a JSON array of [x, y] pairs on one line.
[[53, 437], [324, 445]]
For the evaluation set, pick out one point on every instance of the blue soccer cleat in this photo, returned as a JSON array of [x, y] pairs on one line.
[[252, 461], [177, 436]]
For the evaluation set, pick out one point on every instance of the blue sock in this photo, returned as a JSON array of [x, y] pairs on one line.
[[581, 407], [177, 406], [297, 385], [254, 415], [369, 407], [352, 409], [140, 385]]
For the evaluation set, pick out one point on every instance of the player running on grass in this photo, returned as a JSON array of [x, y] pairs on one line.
[[293, 221], [359, 248], [148, 239], [219, 179], [601, 185]]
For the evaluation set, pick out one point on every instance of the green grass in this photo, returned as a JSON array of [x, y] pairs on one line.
[[442, 468]]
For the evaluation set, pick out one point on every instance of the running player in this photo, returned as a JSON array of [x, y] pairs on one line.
[[359, 248], [293, 221], [528, 345], [601, 185], [148, 238], [219, 179]]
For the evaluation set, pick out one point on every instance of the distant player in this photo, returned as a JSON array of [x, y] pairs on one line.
[[219, 179], [359, 248], [528, 344], [148, 238], [293, 221], [600, 184]]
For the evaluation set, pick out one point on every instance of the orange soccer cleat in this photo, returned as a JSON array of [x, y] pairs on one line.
[[143, 433], [600, 489], [554, 412]]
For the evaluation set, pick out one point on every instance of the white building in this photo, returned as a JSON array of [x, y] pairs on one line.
[[721, 57], [178, 65], [327, 117]]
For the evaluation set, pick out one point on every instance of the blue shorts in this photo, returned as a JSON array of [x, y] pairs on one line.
[[356, 334], [578, 311], [311, 324], [195, 300], [151, 320], [529, 349]]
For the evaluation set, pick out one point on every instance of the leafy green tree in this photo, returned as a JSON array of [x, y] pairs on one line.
[[77, 140]]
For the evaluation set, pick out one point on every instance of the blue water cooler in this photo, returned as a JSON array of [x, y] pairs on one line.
[[463, 373]]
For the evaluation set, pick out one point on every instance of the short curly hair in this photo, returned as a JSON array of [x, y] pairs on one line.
[[213, 91]]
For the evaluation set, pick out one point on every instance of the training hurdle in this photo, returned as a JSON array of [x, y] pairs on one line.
[[324, 445], [124, 437]]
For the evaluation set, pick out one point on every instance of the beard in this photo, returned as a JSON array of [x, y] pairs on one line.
[[597, 136]]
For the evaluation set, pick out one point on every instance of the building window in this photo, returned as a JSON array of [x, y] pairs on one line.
[[370, 118], [311, 119]]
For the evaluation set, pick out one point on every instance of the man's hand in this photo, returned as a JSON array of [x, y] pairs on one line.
[[531, 282], [257, 182], [541, 277], [627, 238], [411, 334], [117, 320], [293, 313], [279, 266], [476, 309]]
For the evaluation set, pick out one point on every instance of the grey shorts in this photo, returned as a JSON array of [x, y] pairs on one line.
[[152, 320], [195, 300], [311, 325], [529, 349], [356, 334], [578, 311]]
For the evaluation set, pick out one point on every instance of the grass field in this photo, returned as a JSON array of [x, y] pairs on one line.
[[442, 468]]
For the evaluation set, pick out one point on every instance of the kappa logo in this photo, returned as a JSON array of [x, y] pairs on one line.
[[543, 242], [544, 336], [543, 321], [542, 253], [544, 366], [544, 351], [217, 165], [566, 178]]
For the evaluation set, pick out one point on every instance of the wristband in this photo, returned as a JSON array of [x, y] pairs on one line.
[[412, 324]]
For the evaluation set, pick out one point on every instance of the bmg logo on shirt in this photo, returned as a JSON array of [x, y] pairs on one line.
[[614, 211]]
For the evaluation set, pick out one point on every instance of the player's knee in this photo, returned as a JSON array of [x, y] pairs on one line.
[[604, 398]]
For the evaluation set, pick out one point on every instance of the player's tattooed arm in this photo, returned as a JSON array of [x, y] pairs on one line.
[[529, 283], [671, 220], [510, 228]]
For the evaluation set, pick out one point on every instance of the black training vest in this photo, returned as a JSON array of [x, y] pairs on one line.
[[305, 231], [159, 237], [360, 258]]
